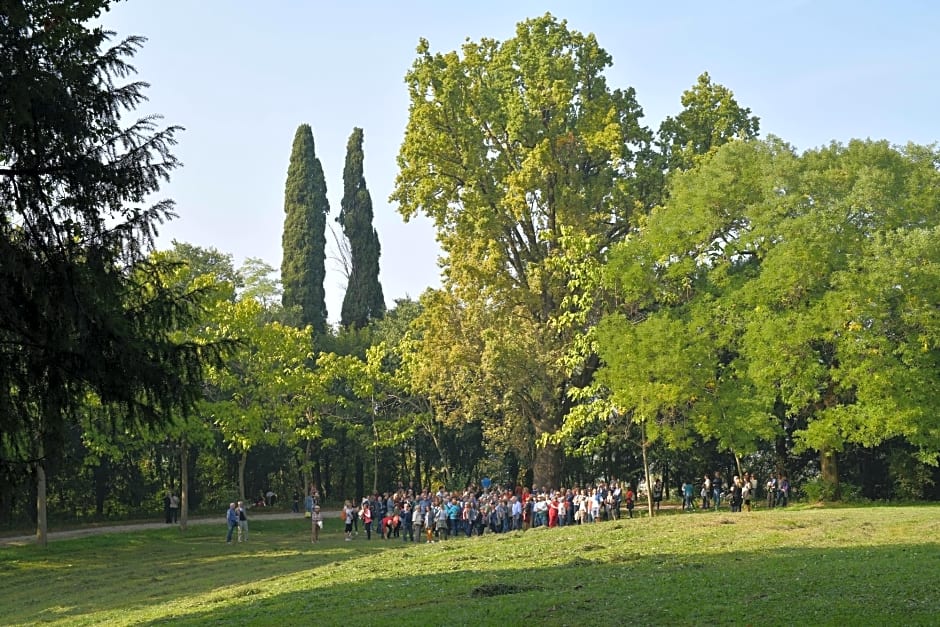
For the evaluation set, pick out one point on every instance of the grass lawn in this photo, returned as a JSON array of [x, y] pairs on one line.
[[797, 566]]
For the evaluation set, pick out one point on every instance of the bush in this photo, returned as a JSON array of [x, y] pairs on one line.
[[818, 490]]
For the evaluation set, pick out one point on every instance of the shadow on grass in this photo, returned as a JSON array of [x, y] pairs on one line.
[[881, 585], [872, 585], [541, 577]]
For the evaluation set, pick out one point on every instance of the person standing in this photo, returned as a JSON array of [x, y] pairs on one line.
[[174, 507], [349, 513], [737, 494], [417, 522], [231, 517], [717, 490], [784, 486], [316, 524], [242, 522], [687, 495], [746, 492], [167, 515], [365, 512], [406, 517], [771, 492], [657, 493]]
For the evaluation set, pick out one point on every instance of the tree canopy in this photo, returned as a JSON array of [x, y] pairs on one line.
[[797, 287], [364, 300], [83, 309], [303, 266], [518, 151]]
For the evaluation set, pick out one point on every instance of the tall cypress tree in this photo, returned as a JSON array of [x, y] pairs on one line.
[[303, 267], [364, 300]]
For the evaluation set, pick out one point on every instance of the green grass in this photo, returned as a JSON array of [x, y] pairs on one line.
[[846, 566]]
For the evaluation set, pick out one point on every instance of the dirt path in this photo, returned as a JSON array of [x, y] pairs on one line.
[[129, 527]]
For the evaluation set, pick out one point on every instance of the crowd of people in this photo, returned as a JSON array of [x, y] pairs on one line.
[[739, 493], [429, 516], [435, 516], [426, 516]]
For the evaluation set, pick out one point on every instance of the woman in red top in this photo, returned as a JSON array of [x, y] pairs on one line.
[[553, 513]]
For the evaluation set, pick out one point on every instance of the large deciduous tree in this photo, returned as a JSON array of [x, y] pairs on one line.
[[303, 265], [82, 308], [364, 300], [802, 290], [520, 153], [710, 117]]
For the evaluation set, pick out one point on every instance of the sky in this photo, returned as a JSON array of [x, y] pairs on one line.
[[241, 76]]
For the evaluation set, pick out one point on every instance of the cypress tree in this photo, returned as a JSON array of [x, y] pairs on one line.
[[364, 300], [303, 267]]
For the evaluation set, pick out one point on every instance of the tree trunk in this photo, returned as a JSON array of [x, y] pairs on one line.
[[359, 478], [737, 461], [42, 530], [184, 484], [666, 479], [646, 470], [242, 463], [417, 475], [829, 470], [308, 467], [546, 467], [102, 475], [375, 470]]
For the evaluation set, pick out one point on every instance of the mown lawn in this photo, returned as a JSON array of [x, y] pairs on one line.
[[798, 566]]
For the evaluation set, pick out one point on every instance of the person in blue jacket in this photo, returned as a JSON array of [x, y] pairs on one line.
[[232, 518]]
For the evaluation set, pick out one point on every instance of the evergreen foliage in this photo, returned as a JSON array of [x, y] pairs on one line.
[[364, 300], [82, 308], [303, 268]]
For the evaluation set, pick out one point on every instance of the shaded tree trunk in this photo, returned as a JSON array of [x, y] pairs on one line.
[[316, 480], [42, 530], [829, 471], [242, 463], [184, 484], [101, 475], [360, 478], [327, 477], [307, 472], [417, 473]]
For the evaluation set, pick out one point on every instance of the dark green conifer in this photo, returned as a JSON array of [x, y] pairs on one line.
[[303, 268], [364, 300]]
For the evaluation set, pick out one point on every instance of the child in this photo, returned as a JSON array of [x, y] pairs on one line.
[[316, 523], [349, 514], [366, 514]]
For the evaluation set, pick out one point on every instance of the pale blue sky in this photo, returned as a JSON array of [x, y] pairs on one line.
[[241, 76]]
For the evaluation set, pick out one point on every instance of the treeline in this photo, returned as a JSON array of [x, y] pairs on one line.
[[617, 301]]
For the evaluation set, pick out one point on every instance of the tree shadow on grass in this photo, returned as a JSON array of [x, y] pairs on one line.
[[542, 577], [870, 585]]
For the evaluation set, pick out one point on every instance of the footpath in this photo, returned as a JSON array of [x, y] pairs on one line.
[[81, 532]]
